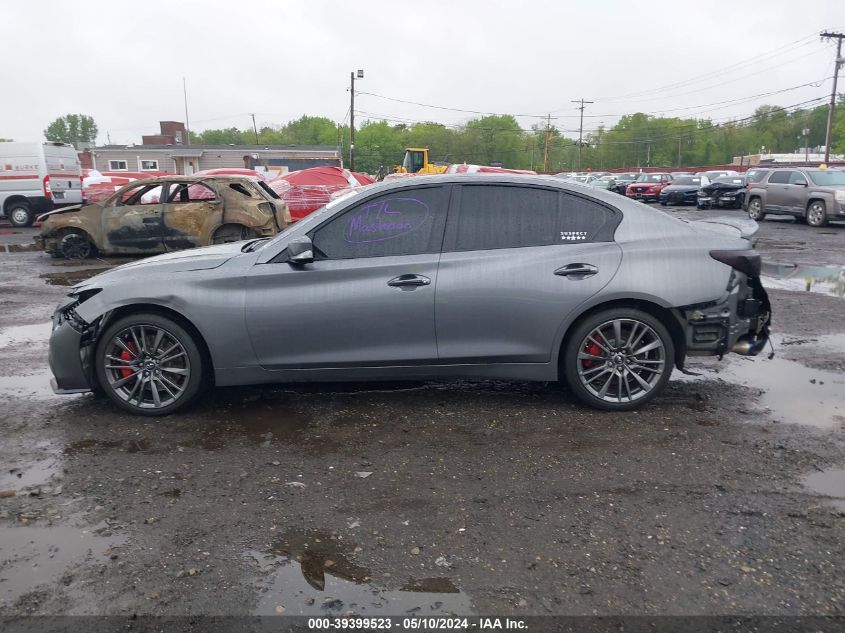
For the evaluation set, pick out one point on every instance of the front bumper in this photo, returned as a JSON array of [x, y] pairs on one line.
[[70, 352], [643, 197], [719, 202]]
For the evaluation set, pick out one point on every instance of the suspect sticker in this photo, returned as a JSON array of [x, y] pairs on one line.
[[573, 236]]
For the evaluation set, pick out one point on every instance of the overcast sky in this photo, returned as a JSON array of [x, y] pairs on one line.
[[123, 63]]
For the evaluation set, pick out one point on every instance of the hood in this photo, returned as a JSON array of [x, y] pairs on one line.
[[670, 188], [722, 186], [71, 209], [735, 227], [203, 258]]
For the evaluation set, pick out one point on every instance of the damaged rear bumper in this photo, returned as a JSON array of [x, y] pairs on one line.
[[738, 322]]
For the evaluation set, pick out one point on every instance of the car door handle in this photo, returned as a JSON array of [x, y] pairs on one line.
[[409, 281], [577, 270]]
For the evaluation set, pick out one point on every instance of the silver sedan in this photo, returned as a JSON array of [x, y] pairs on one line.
[[518, 277]]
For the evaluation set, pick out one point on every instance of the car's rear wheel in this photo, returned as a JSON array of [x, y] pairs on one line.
[[816, 214], [755, 210], [74, 244], [231, 233], [20, 214], [149, 364], [618, 359]]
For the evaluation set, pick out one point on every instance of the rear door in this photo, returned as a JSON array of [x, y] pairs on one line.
[[133, 223], [65, 173], [516, 261], [777, 191], [190, 213]]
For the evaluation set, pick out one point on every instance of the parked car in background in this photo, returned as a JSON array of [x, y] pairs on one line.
[[604, 182], [622, 180], [724, 192], [717, 173], [647, 187], [159, 215], [465, 275], [682, 190], [37, 177], [814, 195], [753, 176]]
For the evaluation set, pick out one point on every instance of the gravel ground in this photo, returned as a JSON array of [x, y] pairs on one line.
[[725, 496]]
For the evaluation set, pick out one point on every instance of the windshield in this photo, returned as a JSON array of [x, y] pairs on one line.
[[731, 180], [687, 180], [827, 178], [652, 178]]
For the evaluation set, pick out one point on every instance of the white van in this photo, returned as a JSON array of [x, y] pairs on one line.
[[36, 178]]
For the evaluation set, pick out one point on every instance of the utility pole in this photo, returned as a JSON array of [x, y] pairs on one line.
[[546, 146], [581, 129], [352, 75], [679, 151], [187, 122], [254, 128], [825, 35]]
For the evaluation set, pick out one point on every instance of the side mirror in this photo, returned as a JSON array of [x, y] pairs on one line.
[[300, 251], [800, 183]]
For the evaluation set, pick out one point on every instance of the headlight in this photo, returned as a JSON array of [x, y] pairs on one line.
[[840, 195], [701, 193]]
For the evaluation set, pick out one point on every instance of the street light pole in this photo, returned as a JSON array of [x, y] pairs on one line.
[[352, 75], [837, 63]]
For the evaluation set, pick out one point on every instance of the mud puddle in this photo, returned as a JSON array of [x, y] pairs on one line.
[[792, 392], [33, 557], [828, 483], [71, 277], [828, 280], [31, 474], [312, 573], [19, 334]]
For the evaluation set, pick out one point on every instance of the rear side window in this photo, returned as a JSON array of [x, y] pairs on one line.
[[403, 222], [493, 217], [781, 177]]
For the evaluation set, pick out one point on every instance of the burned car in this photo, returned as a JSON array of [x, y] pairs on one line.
[[160, 215], [452, 276], [723, 192]]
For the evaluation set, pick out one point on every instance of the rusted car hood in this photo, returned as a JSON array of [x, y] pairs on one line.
[[70, 209]]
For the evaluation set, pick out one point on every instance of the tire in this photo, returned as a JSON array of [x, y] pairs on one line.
[[755, 210], [149, 364], [816, 214], [591, 352], [74, 244], [231, 233], [662, 203], [20, 214]]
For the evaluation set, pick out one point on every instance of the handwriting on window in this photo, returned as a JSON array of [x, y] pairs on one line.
[[386, 219]]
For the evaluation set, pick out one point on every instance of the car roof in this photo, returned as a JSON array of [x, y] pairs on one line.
[[176, 178]]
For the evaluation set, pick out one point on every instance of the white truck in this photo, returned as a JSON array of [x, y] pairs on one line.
[[36, 178]]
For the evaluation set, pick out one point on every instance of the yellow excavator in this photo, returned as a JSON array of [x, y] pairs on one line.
[[416, 162]]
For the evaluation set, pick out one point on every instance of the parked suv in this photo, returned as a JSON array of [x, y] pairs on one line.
[[814, 195]]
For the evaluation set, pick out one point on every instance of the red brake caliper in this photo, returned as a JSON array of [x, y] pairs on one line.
[[126, 356], [593, 350]]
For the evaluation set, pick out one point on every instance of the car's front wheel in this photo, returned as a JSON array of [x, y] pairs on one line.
[[816, 214], [618, 359], [149, 364]]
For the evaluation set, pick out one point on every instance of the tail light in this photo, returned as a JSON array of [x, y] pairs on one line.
[[48, 192], [746, 261]]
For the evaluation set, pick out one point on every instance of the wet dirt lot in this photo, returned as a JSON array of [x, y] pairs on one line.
[[726, 496]]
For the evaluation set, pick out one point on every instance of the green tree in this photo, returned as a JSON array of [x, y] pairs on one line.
[[72, 128]]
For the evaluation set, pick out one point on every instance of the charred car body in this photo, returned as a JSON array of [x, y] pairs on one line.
[[480, 276], [726, 192], [165, 214]]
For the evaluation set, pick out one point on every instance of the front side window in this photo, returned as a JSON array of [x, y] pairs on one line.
[[493, 217], [780, 177], [118, 165], [141, 194], [796, 177], [402, 222]]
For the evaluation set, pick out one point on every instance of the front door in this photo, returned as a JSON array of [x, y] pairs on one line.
[[516, 261], [795, 197], [132, 223], [368, 298]]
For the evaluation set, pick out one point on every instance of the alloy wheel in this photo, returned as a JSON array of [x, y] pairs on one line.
[[816, 214], [754, 209], [147, 366], [75, 246], [621, 360]]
